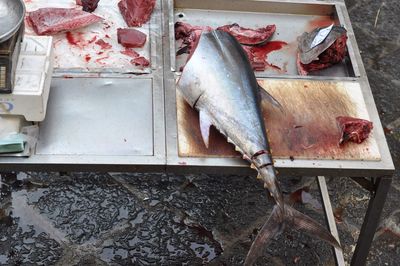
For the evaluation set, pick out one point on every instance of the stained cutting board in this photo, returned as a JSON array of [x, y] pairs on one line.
[[306, 129]]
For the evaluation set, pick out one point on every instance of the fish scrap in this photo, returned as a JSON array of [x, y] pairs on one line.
[[318, 50]]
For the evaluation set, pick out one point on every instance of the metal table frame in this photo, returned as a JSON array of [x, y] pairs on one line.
[[165, 157]]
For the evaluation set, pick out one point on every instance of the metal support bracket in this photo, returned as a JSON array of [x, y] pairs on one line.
[[364, 183], [339, 258]]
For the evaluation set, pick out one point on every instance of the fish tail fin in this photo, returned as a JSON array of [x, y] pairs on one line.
[[268, 175], [302, 222], [271, 228], [274, 226]]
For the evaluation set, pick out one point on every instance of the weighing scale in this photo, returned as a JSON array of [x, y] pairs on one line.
[[9, 52], [12, 13]]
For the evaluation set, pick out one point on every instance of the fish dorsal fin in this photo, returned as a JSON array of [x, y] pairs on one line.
[[205, 124], [265, 95]]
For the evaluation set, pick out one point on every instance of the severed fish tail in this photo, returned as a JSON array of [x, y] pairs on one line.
[[274, 226]]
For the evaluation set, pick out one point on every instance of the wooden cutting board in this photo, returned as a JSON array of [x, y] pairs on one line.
[[306, 129]]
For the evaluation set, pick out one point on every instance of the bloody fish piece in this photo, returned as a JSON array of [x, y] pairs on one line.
[[249, 36], [130, 52], [137, 60], [131, 38], [103, 44], [140, 61], [189, 35], [353, 129], [136, 12], [258, 54], [329, 52], [49, 21], [227, 96], [89, 5]]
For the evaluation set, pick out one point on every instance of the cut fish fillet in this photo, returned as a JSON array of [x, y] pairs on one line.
[[131, 38], [249, 36], [136, 12], [49, 21]]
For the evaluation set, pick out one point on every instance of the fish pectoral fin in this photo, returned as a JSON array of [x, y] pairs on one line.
[[265, 95], [205, 124], [271, 228]]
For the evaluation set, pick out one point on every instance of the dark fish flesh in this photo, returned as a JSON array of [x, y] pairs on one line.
[[189, 35], [330, 51], [353, 129], [136, 12], [131, 38], [226, 95], [49, 21], [89, 5]]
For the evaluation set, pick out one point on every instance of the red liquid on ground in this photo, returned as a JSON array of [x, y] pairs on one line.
[[71, 38], [77, 39]]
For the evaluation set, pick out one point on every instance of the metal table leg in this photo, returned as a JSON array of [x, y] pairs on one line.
[[330, 219], [371, 220]]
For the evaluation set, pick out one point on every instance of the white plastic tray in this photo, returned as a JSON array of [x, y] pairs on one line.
[[110, 60]]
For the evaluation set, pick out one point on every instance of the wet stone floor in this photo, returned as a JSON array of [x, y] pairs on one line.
[[166, 219]]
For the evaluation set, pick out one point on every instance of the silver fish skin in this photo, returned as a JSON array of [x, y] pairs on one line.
[[308, 54], [218, 81]]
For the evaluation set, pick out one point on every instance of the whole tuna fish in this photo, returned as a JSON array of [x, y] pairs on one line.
[[219, 82]]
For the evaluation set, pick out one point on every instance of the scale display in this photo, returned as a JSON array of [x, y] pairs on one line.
[[9, 51]]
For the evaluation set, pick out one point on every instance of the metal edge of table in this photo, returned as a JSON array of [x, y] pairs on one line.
[[156, 162], [175, 163]]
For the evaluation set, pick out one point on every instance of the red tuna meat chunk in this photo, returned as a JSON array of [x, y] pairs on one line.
[[333, 55], [140, 61], [79, 2], [131, 38], [248, 36], [48, 21], [104, 45], [136, 12], [137, 60], [89, 5], [353, 129]]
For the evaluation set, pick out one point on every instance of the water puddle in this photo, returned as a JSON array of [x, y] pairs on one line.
[[203, 251]]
